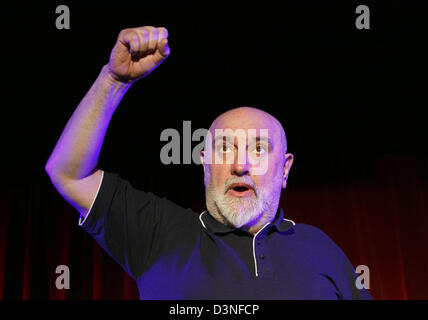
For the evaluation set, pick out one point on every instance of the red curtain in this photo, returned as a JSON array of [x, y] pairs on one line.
[[381, 223]]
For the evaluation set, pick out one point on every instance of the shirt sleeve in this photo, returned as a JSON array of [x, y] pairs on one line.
[[343, 274], [355, 293], [130, 224], [82, 220], [332, 263]]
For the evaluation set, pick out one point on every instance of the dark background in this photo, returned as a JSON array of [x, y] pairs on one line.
[[351, 101]]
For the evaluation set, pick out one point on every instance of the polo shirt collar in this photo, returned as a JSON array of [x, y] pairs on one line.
[[211, 224], [280, 223]]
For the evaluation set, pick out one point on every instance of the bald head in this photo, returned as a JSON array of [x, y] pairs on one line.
[[251, 118], [238, 192]]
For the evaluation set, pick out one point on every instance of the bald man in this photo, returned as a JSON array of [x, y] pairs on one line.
[[241, 247], [257, 202]]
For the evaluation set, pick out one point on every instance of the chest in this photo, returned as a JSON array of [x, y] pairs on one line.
[[234, 268]]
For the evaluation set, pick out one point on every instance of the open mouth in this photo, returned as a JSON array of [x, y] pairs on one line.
[[240, 190]]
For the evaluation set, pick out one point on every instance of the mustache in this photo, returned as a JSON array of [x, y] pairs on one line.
[[246, 180]]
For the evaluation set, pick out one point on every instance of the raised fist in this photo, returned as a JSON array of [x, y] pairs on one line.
[[137, 52]]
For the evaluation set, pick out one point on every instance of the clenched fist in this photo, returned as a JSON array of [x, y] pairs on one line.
[[137, 52]]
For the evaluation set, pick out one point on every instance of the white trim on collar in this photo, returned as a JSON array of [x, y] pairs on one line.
[[291, 221], [200, 219]]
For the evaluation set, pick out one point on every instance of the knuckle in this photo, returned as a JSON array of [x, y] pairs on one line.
[[154, 34], [144, 32], [128, 34], [133, 36], [163, 31], [122, 33], [149, 28]]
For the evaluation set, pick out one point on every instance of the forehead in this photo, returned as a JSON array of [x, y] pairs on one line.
[[248, 119]]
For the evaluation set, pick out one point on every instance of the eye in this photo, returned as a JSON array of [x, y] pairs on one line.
[[225, 149], [260, 149]]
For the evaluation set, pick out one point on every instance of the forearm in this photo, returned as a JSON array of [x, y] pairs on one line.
[[76, 153]]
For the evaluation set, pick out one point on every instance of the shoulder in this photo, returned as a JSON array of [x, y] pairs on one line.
[[314, 236], [143, 206], [309, 230]]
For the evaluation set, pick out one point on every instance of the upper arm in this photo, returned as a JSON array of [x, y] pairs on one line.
[[80, 193]]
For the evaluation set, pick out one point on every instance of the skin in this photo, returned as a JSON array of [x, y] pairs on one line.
[[72, 166], [270, 183]]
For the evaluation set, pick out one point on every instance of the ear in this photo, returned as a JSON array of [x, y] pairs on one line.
[[289, 158]]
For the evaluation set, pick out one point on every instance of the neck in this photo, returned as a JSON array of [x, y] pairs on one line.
[[259, 224], [254, 229]]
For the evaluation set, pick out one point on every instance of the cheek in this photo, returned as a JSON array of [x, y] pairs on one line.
[[276, 167], [270, 179], [218, 175]]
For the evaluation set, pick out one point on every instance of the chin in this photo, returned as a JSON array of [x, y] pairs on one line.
[[242, 216]]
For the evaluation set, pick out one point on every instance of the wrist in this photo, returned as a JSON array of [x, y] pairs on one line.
[[112, 79]]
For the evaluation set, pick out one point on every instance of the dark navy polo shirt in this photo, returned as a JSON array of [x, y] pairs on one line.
[[174, 253]]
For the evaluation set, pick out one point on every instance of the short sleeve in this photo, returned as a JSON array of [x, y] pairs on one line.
[[354, 292], [130, 224], [81, 219], [342, 274]]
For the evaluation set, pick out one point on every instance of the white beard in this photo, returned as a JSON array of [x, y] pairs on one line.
[[241, 211]]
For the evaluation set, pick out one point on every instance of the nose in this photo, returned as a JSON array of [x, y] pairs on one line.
[[241, 167]]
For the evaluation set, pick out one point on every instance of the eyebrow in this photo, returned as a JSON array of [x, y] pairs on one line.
[[257, 139]]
